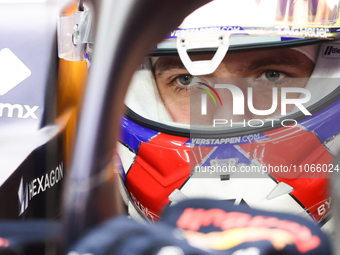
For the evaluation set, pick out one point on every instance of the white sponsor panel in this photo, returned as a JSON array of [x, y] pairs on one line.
[[12, 71], [19, 144]]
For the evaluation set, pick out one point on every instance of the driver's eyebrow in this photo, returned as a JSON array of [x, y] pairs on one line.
[[168, 64], [293, 59], [282, 60]]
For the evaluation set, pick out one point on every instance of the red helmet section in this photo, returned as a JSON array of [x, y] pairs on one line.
[[309, 165], [163, 165]]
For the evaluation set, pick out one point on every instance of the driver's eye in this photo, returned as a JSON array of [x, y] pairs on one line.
[[272, 75], [185, 80]]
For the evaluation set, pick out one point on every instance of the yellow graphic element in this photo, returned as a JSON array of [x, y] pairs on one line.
[[234, 237]]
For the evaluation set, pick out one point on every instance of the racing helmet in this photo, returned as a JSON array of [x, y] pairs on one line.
[[239, 103]]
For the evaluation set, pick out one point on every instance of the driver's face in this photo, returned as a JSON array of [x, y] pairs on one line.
[[261, 70]]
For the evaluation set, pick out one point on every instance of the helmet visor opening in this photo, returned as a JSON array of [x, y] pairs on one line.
[[248, 90]]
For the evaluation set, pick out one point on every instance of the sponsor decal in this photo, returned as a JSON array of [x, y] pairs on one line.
[[23, 197], [232, 140], [229, 29], [325, 207], [331, 51], [238, 227], [12, 71], [231, 238], [152, 216], [301, 31], [18, 110], [38, 185]]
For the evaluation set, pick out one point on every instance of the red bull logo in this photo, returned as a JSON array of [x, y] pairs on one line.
[[238, 227]]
